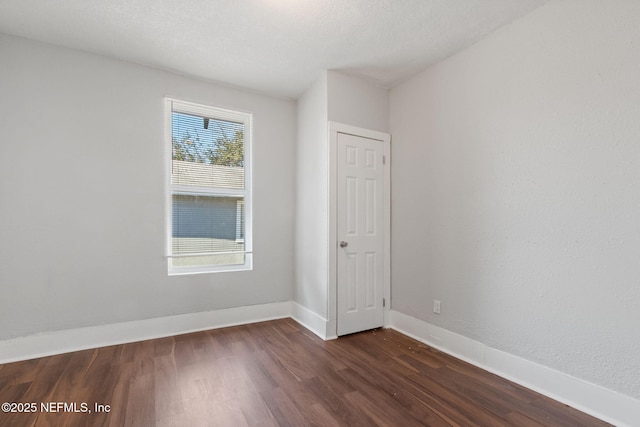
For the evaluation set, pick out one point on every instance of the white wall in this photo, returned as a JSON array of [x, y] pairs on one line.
[[82, 193], [337, 97], [357, 103], [516, 191], [312, 200]]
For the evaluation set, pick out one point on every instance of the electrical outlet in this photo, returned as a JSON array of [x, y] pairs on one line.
[[436, 306]]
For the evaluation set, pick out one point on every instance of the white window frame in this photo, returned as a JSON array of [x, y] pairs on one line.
[[171, 105]]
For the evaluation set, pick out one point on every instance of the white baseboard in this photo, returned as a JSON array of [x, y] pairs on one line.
[[317, 324], [58, 342], [587, 397]]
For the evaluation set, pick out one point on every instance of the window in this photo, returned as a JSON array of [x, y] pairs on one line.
[[209, 188]]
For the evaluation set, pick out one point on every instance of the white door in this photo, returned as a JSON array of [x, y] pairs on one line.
[[360, 233]]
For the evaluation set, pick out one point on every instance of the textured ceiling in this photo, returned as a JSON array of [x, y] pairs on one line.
[[272, 46]]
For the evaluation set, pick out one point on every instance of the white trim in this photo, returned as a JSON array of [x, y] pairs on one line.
[[193, 254], [246, 118], [168, 159], [317, 324], [587, 397], [198, 109], [223, 268], [334, 129], [192, 190], [68, 340]]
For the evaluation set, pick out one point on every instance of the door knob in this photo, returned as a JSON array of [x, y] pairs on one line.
[[344, 244]]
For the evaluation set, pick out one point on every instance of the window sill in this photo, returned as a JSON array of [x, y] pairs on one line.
[[183, 271]]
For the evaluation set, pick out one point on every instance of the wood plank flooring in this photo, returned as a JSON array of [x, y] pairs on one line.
[[273, 373]]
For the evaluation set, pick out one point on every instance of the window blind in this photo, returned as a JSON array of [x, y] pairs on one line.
[[208, 187]]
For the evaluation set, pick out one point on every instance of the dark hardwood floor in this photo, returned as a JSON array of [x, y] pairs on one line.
[[271, 374]]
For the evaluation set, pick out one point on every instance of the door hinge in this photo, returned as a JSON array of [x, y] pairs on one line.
[[384, 302], [384, 160]]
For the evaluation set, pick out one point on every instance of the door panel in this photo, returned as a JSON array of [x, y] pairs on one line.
[[360, 256]]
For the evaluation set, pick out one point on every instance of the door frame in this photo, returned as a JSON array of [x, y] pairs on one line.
[[332, 301]]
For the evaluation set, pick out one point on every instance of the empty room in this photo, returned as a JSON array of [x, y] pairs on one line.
[[320, 212]]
